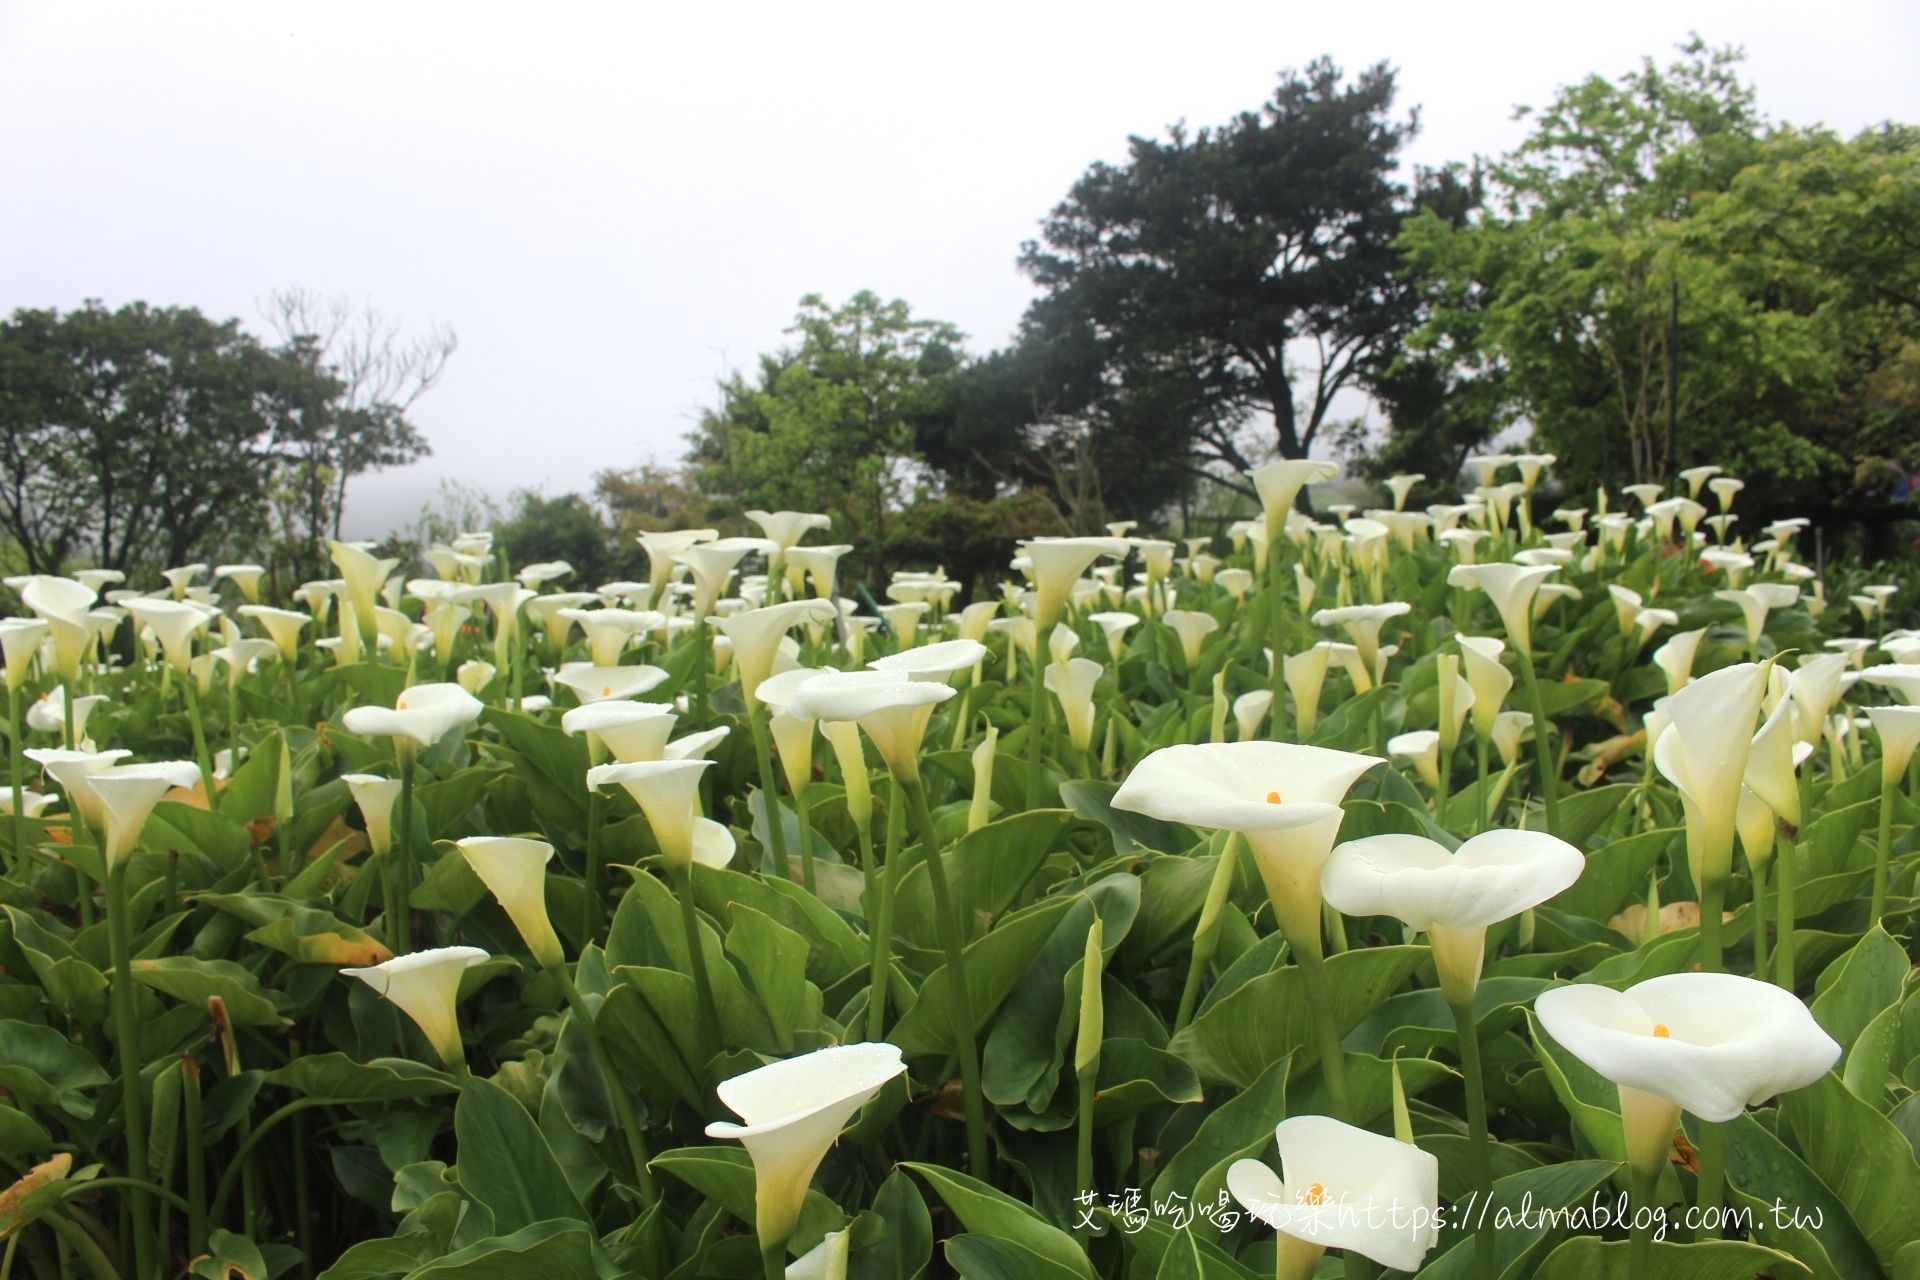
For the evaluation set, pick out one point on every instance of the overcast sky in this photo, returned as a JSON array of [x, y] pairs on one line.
[[614, 204]]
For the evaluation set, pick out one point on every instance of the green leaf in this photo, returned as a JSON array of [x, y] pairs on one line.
[[554, 1250], [230, 1257], [985, 870], [1858, 1153], [775, 958], [1590, 1258], [1519, 1207], [337, 1078], [995, 966], [1763, 1167], [1266, 1019], [1135, 1077], [1857, 986], [982, 1209], [371, 1259], [42, 1067], [1239, 1129], [1582, 813], [1094, 801], [312, 936], [982, 1257], [22, 1135], [725, 1173], [505, 1163], [194, 982], [1616, 875], [903, 1252], [1591, 1100]]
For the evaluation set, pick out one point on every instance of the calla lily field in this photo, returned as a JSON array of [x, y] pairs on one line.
[[1510, 888]]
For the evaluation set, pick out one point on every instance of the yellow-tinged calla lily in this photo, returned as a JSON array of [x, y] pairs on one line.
[[1488, 677], [666, 791], [1675, 659], [664, 549], [244, 576], [844, 737], [126, 795], [1899, 730], [426, 987], [980, 807], [1509, 731], [281, 625], [601, 684], [785, 528], [712, 564], [1511, 587], [794, 1110], [515, 872], [375, 797], [1072, 682], [474, 676], [827, 1260], [628, 731], [1710, 1043], [1114, 627], [364, 575], [62, 604], [1342, 1187], [423, 714], [756, 635], [1363, 623], [1060, 562], [903, 619], [820, 564], [1451, 895], [1422, 748], [1250, 711], [71, 769], [890, 706], [1775, 754], [1704, 755], [1283, 798], [1306, 674], [21, 639], [1279, 483], [1193, 629], [610, 631]]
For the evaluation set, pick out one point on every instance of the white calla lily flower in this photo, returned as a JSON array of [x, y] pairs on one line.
[[426, 987], [515, 872]]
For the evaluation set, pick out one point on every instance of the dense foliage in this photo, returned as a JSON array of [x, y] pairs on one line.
[[444, 927]]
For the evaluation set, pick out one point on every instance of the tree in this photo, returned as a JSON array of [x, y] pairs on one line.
[[138, 435], [1663, 278], [362, 427], [828, 424], [1216, 270], [563, 528]]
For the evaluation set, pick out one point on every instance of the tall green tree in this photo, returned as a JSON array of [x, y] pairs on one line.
[[1238, 273], [828, 423], [137, 436]]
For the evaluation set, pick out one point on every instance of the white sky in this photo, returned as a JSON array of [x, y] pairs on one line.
[[614, 203]]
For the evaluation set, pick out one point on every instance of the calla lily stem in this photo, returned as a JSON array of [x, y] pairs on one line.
[[1037, 734], [1713, 898], [1479, 1147], [622, 1103], [770, 789], [1783, 947], [697, 958], [1882, 852], [201, 756], [1543, 745], [1711, 1189], [13, 753], [400, 908], [133, 1103], [882, 924], [950, 941], [1333, 1058]]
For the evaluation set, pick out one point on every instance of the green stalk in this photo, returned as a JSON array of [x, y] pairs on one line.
[[596, 817], [133, 1103], [402, 907], [805, 808], [963, 1023], [196, 1157], [1783, 949], [1278, 621], [1479, 1149], [882, 935], [1711, 1189], [201, 756], [13, 745], [1713, 900], [1543, 745], [622, 1103], [1083, 1143], [769, 788], [774, 1259], [1206, 934], [1037, 733], [1445, 785], [251, 1137], [697, 957], [702, 658], [1333, 1058], [1480, 815], [1884, 849], [1759, 870]]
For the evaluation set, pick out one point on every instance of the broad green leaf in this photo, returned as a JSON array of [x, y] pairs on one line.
[[989, 1212], [985, 870], [995, 966], [22, 1135], [1858, 1153], [194, 982], [230, 1256], [1590, 1258], [1763, 1167], [1518, 1208], [775, 958], [1616, 875], [1094, 801], [1857, 986], [1592, 1101], [1239, 1129], [337, 1078], [1265, 1020], [505, 1163], [1135, 1076], [725, 1173], [552, 1250], [983, 1257], [902, 1253], [371, 1259]]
